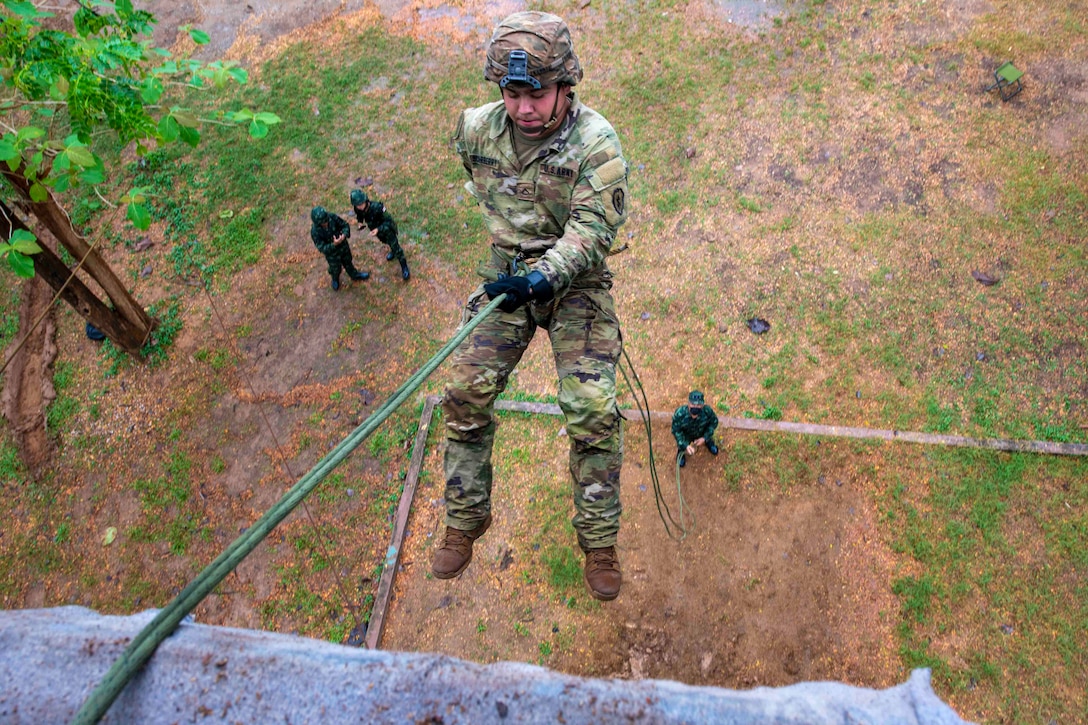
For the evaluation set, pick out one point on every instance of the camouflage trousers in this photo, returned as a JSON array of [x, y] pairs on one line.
[[340, 257], [586, 341], [390, 240]]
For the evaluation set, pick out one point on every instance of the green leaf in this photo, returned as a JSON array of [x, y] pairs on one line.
[[21, 235], [138, 215], [124, 8], [137, 194], [268, 118], [93, 176], [29, 132], [257, 129], [219, 78], [25, 9], [189, 135], [61, 162], [168, 68], [38, 193], [239, 74], [58, 90], [242, 116], [21, 264], [82, 156], [151, 90], [168, 129], [185, 118], [61, 183], [24, 242], [199, 36], [8, 150]]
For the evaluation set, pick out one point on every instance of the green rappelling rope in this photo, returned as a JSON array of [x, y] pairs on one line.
[[166, 621], [663, 512]]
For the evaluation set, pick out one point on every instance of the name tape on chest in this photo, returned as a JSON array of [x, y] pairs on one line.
[[478, 160]]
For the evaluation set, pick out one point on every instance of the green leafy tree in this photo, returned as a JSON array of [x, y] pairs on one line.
[[59, 91]]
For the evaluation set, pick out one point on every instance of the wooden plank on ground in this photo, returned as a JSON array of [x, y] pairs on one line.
[[392, 556]]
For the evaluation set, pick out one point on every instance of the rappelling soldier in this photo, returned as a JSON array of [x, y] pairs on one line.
[[550, 180]]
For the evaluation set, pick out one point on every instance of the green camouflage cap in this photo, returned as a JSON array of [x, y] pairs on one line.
[[318, 214], [696, 398], [534, 48], [358, 197]]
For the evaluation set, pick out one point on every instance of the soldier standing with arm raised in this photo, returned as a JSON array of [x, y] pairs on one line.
[[551, 182], [373, 214]]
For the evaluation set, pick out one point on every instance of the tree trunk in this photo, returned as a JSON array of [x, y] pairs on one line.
[[55, 273], [134, 326]]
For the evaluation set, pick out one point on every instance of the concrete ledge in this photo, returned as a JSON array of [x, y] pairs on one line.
[[51, 659]]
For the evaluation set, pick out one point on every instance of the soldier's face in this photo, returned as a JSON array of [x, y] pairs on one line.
[[694, 410], [530, 108]]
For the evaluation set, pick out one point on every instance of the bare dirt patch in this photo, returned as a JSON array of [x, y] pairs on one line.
[[773, 586]]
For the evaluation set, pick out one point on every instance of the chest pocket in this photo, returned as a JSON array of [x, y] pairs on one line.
[[554, 191]]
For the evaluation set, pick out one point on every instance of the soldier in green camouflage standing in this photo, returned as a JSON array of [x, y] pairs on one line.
[[330, 234], [551, 182], [693, 426], [374, 216]]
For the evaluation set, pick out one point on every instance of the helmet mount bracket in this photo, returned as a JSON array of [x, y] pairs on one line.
[[517, 70]]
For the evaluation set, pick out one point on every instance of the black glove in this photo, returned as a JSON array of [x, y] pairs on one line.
[[519, 290]]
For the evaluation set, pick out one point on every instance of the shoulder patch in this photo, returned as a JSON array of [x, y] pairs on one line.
[[608, 174]]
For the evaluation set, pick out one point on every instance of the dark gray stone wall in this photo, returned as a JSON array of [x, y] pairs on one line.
[[51, 659]]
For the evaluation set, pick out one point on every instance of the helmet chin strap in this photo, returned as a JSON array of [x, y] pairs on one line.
[[555, 105]]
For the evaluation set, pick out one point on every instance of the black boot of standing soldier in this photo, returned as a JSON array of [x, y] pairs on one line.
[[356, 274], [335, 283], [404, 270]]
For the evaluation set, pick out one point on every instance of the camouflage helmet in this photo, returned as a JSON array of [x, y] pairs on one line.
[[696, 398], [534, 48], [358, 197], [318, 215]]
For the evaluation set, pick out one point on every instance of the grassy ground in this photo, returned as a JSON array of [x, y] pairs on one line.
[[840, 174]]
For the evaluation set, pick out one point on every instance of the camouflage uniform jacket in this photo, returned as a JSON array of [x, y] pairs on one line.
[[323, 236], [686, 429], [561, 211], [376, 217]]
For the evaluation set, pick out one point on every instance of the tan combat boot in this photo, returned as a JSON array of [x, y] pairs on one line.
[[602, 573], [456, 551]]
